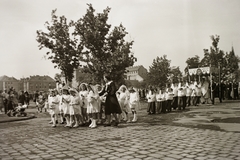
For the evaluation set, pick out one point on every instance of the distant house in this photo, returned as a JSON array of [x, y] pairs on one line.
[[8, 82], [40, 83], [138, 73]]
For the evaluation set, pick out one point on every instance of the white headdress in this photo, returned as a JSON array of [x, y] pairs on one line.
[[121, 87]]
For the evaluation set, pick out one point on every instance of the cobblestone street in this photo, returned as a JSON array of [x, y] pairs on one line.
[[35, 139]]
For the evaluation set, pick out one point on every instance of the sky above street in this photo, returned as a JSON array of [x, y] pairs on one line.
[[179, 29]]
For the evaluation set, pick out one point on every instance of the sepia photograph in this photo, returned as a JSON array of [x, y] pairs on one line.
[[120, 79]]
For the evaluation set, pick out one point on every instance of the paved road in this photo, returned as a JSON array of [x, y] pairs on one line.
[[35, 139]]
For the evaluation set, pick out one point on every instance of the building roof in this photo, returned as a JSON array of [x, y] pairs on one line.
[[6, 78], [40, 78], [133, 68]]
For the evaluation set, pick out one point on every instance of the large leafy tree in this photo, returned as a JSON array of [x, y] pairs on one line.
[[175, 75], [159, 72], [63, 51], [214, 56], [192, 62], [231, 67], [227, 63], [104, 51]]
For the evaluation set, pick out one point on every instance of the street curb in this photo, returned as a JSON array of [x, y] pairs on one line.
[[18, 119]]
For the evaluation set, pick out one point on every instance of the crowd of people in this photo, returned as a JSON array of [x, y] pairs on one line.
[[96, 104], [178, 96], [90, 104], [11, 99]]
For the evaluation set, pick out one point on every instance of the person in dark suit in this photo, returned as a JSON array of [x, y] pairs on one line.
[[235, 90], [111, 104], [223, 90], [214, 91], [21, 98]]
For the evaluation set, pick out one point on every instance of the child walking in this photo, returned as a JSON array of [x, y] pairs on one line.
[[134, 103], [123, 100], [75, 108], [83, 93], [92, 107], [65, 105], [151, 98], [53, 102]]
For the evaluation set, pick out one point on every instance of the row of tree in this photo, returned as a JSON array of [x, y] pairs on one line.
[[226, 62], [161, 73], [90, 43]]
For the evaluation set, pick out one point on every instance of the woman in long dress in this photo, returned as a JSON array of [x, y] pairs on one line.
[[111, 105]]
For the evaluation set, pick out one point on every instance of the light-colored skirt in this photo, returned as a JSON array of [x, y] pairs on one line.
[[93, 107], [124, 106], [75, 109], [53, 109]]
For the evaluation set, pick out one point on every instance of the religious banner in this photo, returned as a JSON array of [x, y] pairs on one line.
[[202, 71]]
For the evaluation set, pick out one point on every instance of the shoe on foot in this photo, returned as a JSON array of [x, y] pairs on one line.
[[75, 126], [53, 126], [67, 125], [134, 120], [50, 122], [90, 125], [94, 126]]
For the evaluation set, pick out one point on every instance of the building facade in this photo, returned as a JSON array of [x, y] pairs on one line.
[[30, 84], [37, 83], [9, 82], [138, 73]]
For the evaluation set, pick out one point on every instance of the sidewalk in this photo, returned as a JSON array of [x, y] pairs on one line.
[[5, 118], [31, 113]]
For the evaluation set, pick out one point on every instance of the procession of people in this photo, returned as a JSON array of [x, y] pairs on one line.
[[92, 105]]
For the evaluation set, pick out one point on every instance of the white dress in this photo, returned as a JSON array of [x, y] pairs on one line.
[[53, 104], [60, 106], [83, 97], [65, 103], [74, 105], [134, 100], [92, 99], [123, 100]]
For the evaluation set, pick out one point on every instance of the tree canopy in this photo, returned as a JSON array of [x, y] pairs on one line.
[[215, 57], [159, 72], [63, 52], [92, 43], [104, 51]]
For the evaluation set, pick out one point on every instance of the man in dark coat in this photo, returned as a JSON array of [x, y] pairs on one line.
[[235, 90], [21, 98]]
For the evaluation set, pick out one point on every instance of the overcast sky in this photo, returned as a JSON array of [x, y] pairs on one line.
[[178, 28]]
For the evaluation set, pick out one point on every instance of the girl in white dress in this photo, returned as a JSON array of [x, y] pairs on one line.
[[92, 107], [74, 107], [53, 102], [83, 97], [60, 106], [134, 102], [100, 105], [65, 105], [123, 100]]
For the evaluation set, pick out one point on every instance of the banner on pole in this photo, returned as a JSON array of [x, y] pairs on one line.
[[202, 71]]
